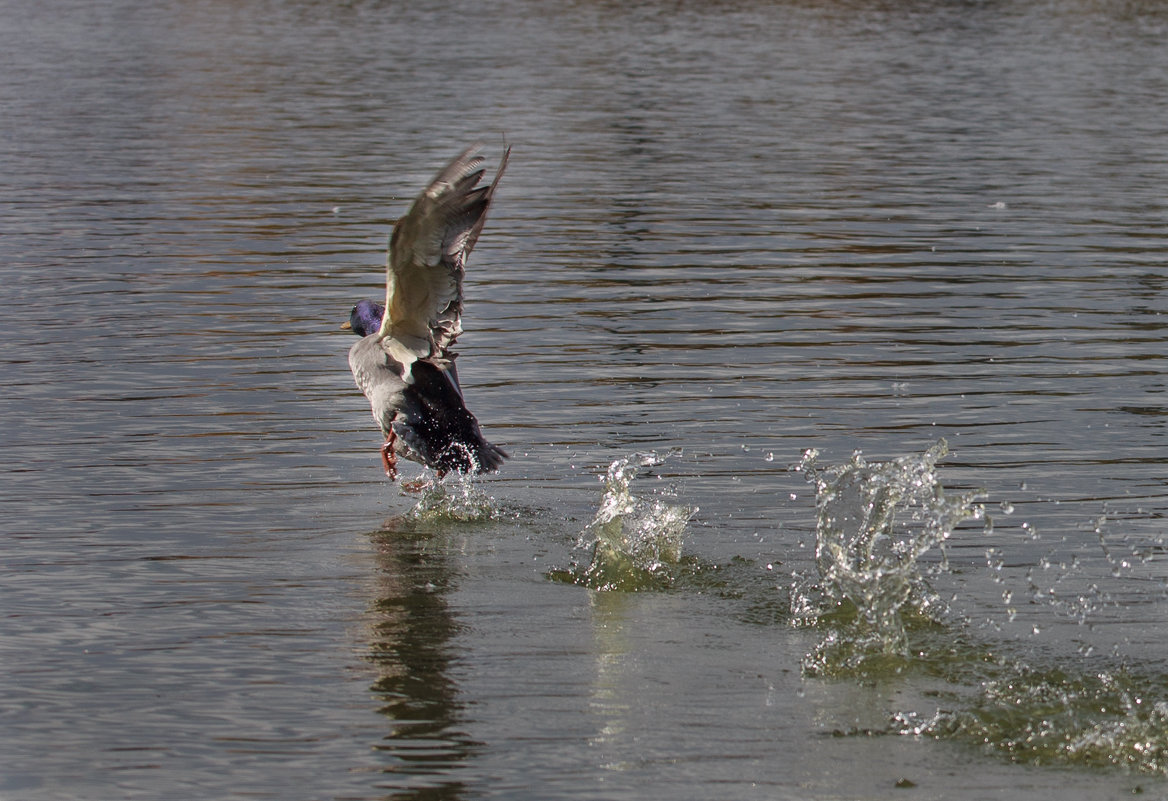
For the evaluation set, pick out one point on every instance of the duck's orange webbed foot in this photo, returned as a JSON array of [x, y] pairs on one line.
[[388, 457]]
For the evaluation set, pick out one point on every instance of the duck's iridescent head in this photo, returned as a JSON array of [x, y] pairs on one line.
[[365, 318]]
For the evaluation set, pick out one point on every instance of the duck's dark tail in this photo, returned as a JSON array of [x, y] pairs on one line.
[[436, 426]]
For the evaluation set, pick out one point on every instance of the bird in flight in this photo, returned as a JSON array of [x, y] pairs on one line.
[[404, 363]]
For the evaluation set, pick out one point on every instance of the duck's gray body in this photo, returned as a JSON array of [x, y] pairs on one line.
[[426, 418], [404, 363]]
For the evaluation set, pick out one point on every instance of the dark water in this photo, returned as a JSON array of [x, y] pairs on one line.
[[741, 230]]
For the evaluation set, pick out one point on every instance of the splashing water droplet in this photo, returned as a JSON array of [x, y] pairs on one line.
[[632, 542], [455, 497], [874, 522]]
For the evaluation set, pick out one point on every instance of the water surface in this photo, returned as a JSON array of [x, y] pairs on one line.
[[730, 232]]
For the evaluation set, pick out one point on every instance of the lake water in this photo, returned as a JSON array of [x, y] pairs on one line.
[[730, 233]]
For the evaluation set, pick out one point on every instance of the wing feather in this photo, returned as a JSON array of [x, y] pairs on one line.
[[427, 257]]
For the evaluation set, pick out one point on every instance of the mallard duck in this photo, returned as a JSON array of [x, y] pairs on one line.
[[404, 363]]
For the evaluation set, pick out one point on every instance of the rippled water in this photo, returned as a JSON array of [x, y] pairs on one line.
[[730, 232]]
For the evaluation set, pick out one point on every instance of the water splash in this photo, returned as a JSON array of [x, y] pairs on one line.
[[1108, 718], [455, 497], [1067, 580], [874, 524], [633, 543]]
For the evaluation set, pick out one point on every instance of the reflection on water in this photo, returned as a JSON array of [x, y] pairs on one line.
[[610, 703], [410, 647]]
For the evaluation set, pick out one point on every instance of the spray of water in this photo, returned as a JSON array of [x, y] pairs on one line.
[[1054, 716], [455, 497], [875, 521], [633, 543]]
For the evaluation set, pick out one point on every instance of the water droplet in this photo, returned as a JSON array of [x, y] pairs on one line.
[[631, 540], [868, 555]]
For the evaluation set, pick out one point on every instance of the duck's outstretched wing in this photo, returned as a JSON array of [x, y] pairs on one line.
[[427, 255]]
